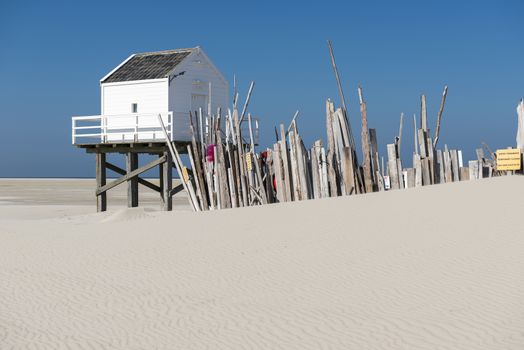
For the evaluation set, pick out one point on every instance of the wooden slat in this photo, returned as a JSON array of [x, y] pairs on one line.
[[464, 173], [332, 177], [366, 153], [225, 196], [417, 164], [197, 158], [374, 154], [392, 167], [288, 183], [455, 168], [349, 173], [423, 114], [141, 181], [277, 168], [315, 173], [178, 188]]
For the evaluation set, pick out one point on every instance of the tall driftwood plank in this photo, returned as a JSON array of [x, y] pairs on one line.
[[269, 176], [374, 154], [332, 177], [225, 196], [241, 159], [366, 153], [380, 181], [448, 172], [426, 169], [422, 143], [288, 182], [340, 166], [473, 169], [455, 167], [401, 183], [315, 174], [297, 195], [301, 166], [417, 165], [410, 178], [197, 167], [350, 175], [277, 168], [196, 176], [324, 172], [392, 167], [423, 113], [464, 173], [431, 157], [232, 188]]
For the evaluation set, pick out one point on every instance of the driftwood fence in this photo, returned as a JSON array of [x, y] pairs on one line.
[[226, 171]]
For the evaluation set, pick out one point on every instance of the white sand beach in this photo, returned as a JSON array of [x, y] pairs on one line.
[[440, 267]]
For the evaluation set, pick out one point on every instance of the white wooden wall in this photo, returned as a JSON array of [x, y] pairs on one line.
[[199, 72], [151, 97], [160, 96]]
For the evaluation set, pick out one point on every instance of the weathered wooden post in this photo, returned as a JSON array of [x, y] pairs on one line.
[[132, 183], [167, 181], [101, 199]]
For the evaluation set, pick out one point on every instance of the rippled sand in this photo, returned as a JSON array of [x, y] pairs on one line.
[[434, 268]]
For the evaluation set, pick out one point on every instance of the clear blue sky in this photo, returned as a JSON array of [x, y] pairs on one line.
[[52, 55]]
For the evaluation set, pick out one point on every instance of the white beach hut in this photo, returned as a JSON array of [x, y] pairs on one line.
[[170, 83]]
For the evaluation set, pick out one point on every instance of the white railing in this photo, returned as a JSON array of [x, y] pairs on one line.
[[134, 127]]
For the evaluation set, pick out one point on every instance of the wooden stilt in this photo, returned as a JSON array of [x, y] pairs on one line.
[[167, 181], [132, 183], [101, 199]]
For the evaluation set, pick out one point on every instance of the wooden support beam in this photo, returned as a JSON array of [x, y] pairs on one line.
[[176, 189], [104, 188], [101, 198], [132, 183], [141, 181], [141, 147]]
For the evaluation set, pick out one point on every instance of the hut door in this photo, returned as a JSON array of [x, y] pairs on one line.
[[199, 101]]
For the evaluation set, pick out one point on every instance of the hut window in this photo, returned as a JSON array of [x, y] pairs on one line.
[[134, 107]]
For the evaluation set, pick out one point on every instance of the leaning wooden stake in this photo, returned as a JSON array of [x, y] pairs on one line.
[[400, 132], [520, 130], [368, 179], [439, 116], [176, 158], [335, 70], [423, 113]]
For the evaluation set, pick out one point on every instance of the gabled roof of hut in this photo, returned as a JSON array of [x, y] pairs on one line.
[[148, 65]]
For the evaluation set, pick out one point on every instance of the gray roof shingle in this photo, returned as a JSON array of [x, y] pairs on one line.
[[149, 65]]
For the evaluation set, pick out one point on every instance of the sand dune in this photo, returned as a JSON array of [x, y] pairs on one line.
[[434, 268]]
